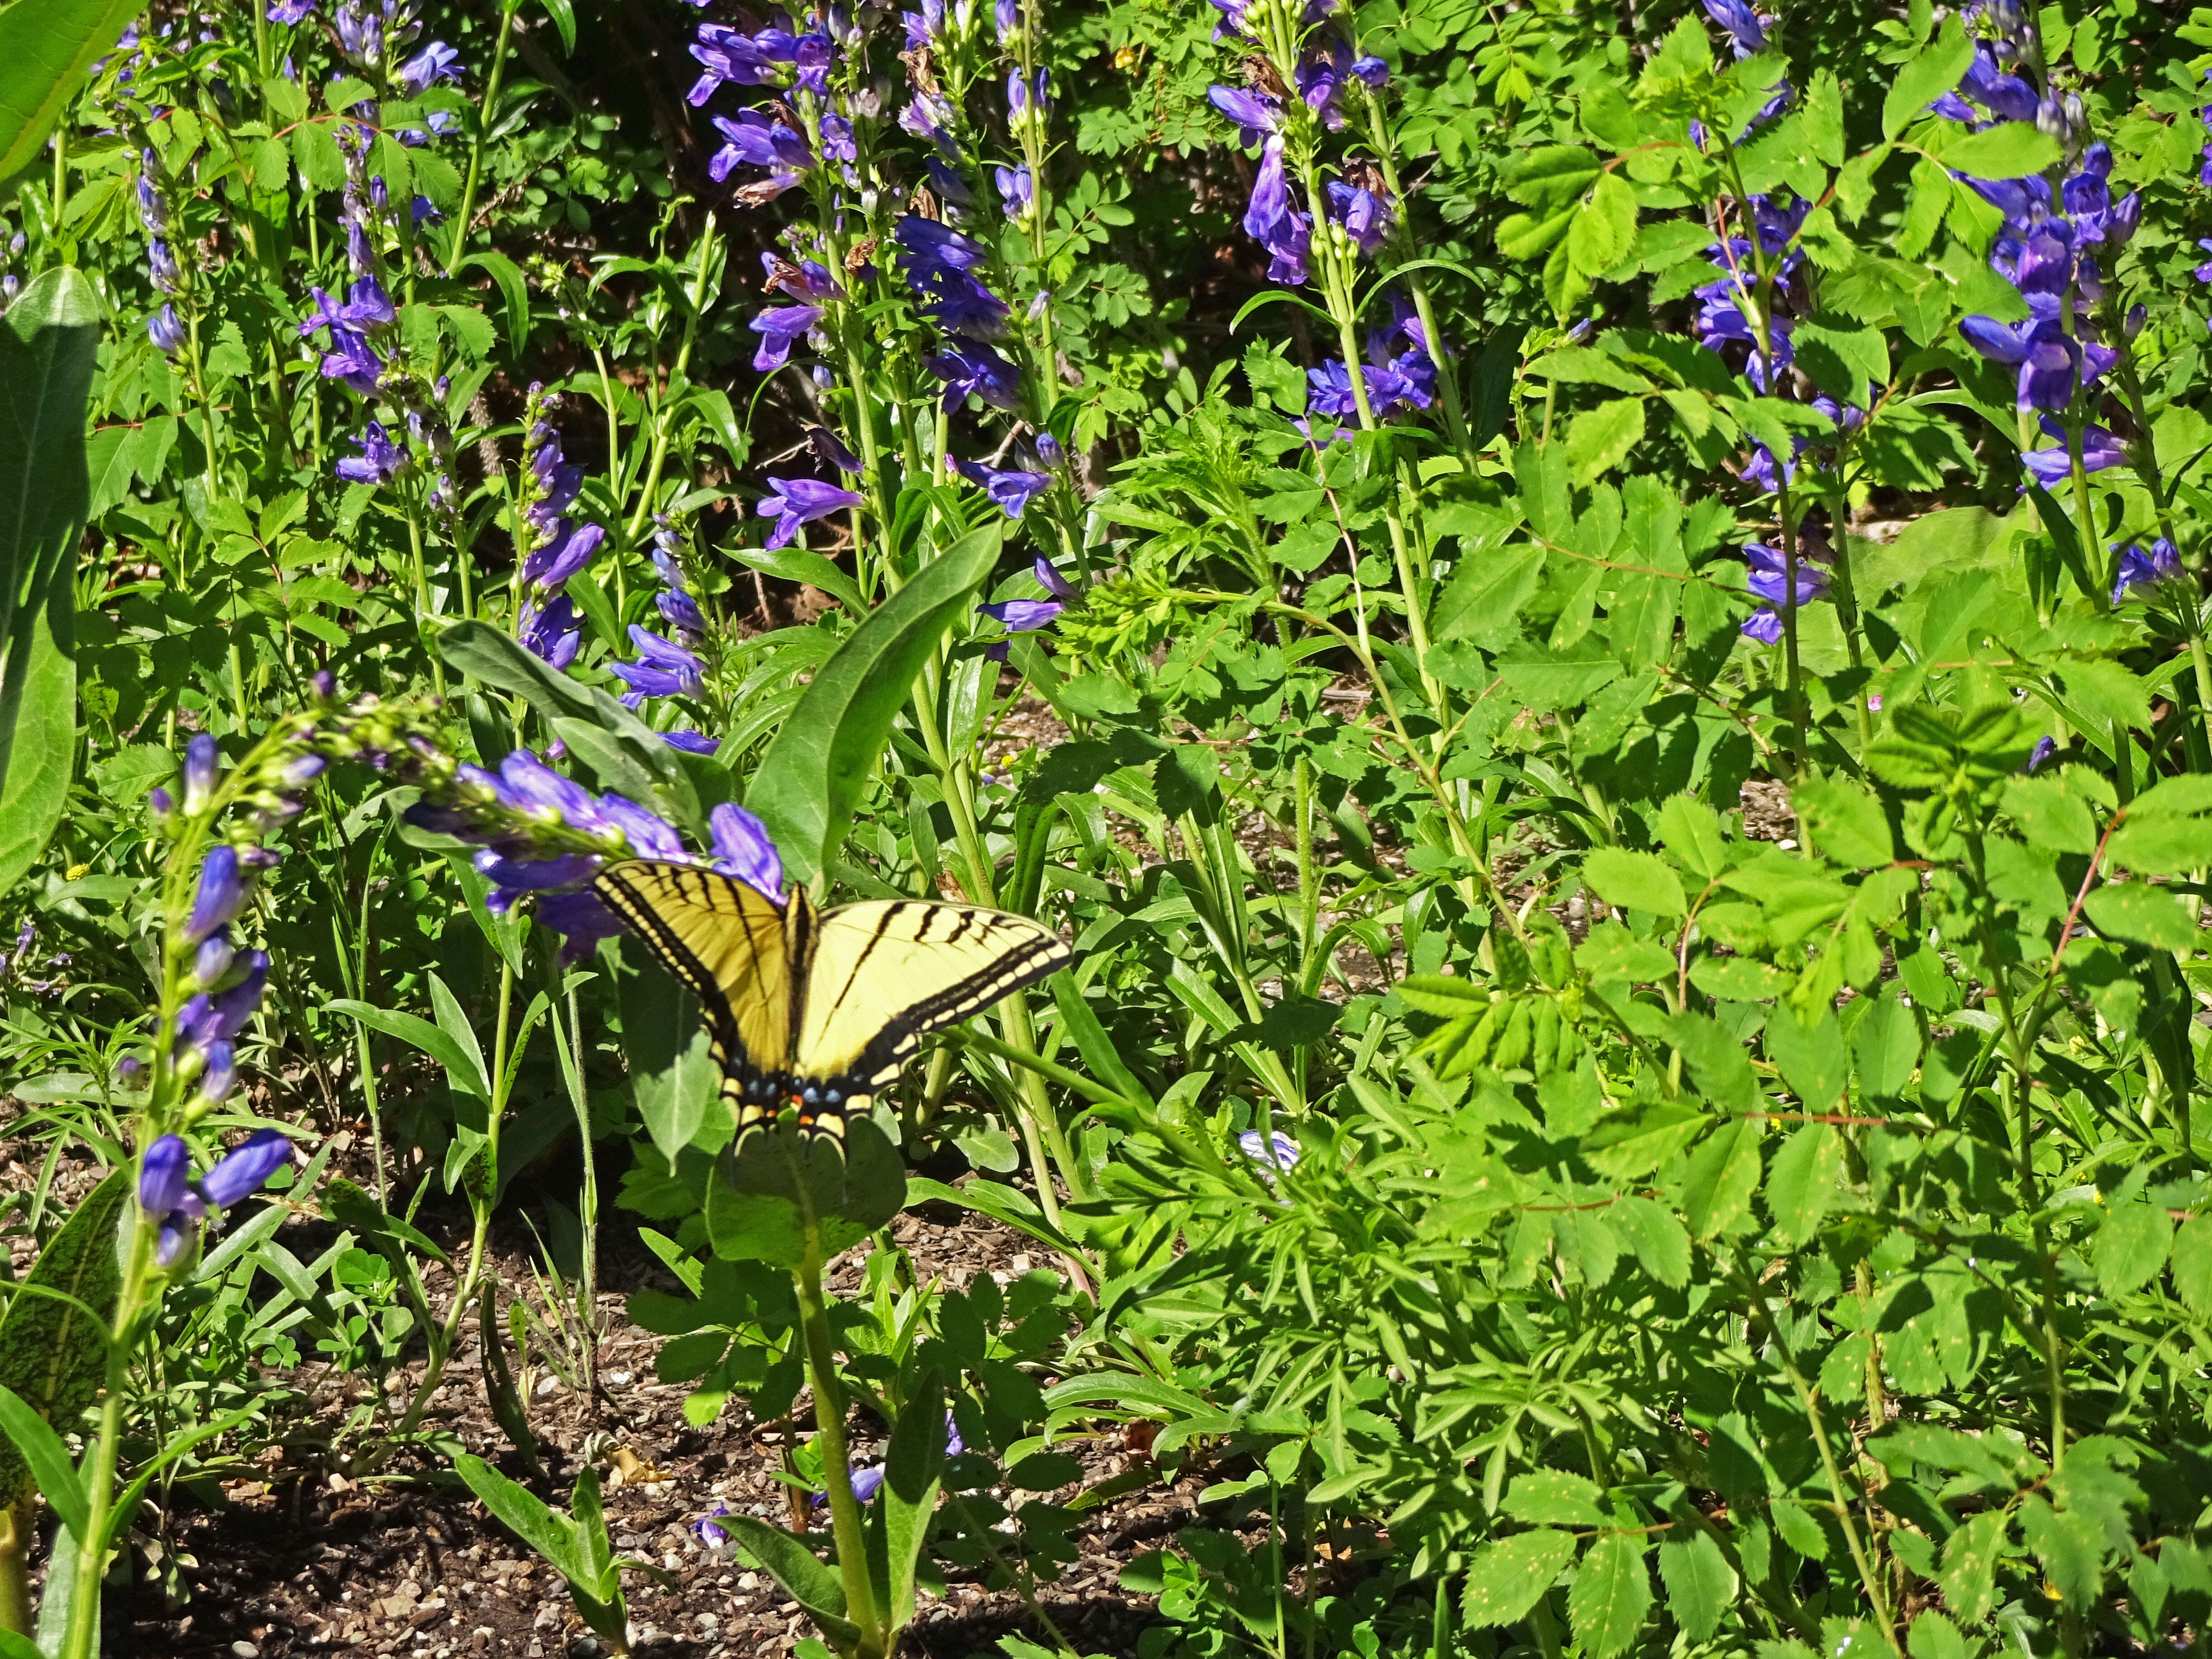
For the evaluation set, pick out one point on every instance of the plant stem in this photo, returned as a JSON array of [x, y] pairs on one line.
[[484, 112], [836, 1458]]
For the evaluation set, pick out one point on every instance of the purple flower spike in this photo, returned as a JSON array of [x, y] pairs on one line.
[[662, 669], [166, 331], [797, 501], [568, 552], [246, 1168], [221, 1075], [291, 11], [555, 632], [228, 1012], [162, 1175], [211, 961], [973, 370], [219, 896], [743, 849]]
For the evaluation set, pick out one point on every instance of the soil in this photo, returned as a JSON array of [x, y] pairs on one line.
[[305, 1561]]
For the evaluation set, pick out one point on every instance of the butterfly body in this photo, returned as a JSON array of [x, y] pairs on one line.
[[819, 1009]]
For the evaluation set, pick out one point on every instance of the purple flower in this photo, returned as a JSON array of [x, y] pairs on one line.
[[760, 140], [1373, 71], [2050, 467], [290, 11], [1763, 625], [367, 306], [1017, 194], [928, 250], [1365, 214], [2045, 747], [691, 743], [1769, 578], [199, 768], [537, 875], [1010, 490], [1051, 581], [571, 549], [351, 361], [211, 961], [162, 1175], [220, 1075], [1269, 220], [681, 609], [711, 1536], [778, 326], [963, 305], [580, 919], [808, 280], [379, 459], [221, 893], [743, 849], [2139, 569], [554, 632], [973, 368], [1023, 616], [1255, 115], [1272, 1152], [166, 331], [829, 450], [434, 62], [1319, 77], [796, 501], [662, 669], [246, 1166], [1747, 28], [865, 1484]]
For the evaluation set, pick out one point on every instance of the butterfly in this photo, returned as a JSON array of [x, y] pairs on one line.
[[819, 1009]]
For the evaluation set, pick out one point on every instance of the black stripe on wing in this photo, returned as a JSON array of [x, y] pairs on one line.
[[613, 886], [877, 1065]]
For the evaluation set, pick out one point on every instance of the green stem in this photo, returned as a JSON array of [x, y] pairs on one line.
[[100, 1482], [845, 1522], [484, 110]]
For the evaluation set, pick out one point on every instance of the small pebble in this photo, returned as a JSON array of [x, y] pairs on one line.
[[246, 1650]]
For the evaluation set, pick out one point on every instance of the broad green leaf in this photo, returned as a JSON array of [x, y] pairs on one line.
[[528, 1517], [1845, 824], [1887, 1047], [1635, 881], [1660, 1243], [1482, 602], [1611, 1594], [1508, 1575], [814, 1586], [1968, 1574], [1723, 1174], [1700, 1583], [42, 1452], [1926, 76], [811, 777], [1556, 1497], [53, 1352], [2143, 915], [2010, 149], [1932, 1636], [1802, 1182], [672, 1074], [48, 340], [461, 1070], [1599, 440], [1814, 1062], [2192, 1264], [911, 1469], [2130, 1248], [45, 48], [1692, 833]]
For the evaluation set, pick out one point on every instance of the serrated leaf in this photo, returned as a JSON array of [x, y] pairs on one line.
[[1635, 881], [1700, 1583], [2143, 915], [1508, 1576], [1560, 1497], [1803, 1184], [1611, 1594]]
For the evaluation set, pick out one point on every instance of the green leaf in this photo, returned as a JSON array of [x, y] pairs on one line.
[[1814, 1060], [1555, 1496], [815, 768], [1723, 1175], [2192, 1264], [1926, 76], [1690, 832], [53, 1352], [1659, 1242], [1886, 1046], [1482, 602], [47, 345], [911, 1469], [1802, 1182], [672, 1074], [1599, 440], [528, 1517], [1098, 1049], [2011, 149], [804, 1579], [796, 564], [1635, 881], [2130, 1248], [2143, 915], [48, 1460], [1845, 823], [45, 48], [1700, 1583], [464, 1072], [1604, 229], [1968, 1574], [1508, 1575], [1611, 1594], [1932, 1636]]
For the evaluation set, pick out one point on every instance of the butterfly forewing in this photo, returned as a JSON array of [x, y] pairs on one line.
[[884, 972], [728, 944]]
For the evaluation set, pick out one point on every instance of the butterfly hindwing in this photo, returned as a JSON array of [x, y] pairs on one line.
[[883, 973], [730, 947]]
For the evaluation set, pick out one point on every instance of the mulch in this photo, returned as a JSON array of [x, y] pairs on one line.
[[407, 1563]]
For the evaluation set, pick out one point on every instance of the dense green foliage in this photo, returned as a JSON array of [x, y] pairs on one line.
[[1635, 865]]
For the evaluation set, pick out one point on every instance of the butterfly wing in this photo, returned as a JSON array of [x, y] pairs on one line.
[[883, 973], [732, 946]]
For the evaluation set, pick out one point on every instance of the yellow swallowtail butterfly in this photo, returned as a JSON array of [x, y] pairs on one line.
[[818, 1009]]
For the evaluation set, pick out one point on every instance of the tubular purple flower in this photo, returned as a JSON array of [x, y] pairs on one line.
[[434, 62], [220, 1076], [1022, 616], [1763, 625], [680, 609], [243, 1172], [1011, 490], [2050, 467], [1017, 195], [162, 1175], [211, 961], [166, 331], [526, 784], [571, 550], [1255, 113], [796, 501], [744, 849], [778, 326], [537, 875], [379, 459], [691, 743], [708, 1534], [221, 893], [760, 140], [2045, 747], [1051, 581], [2139, 569], [1365, 214], [974, 369], [291, 11], [367, 306], [580, 919], [1373, 71], [554, 632], [662, 669], [228, 1011], [350, 362], [1747, 28], [201, 762], [829, 450], [1769, 577]]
